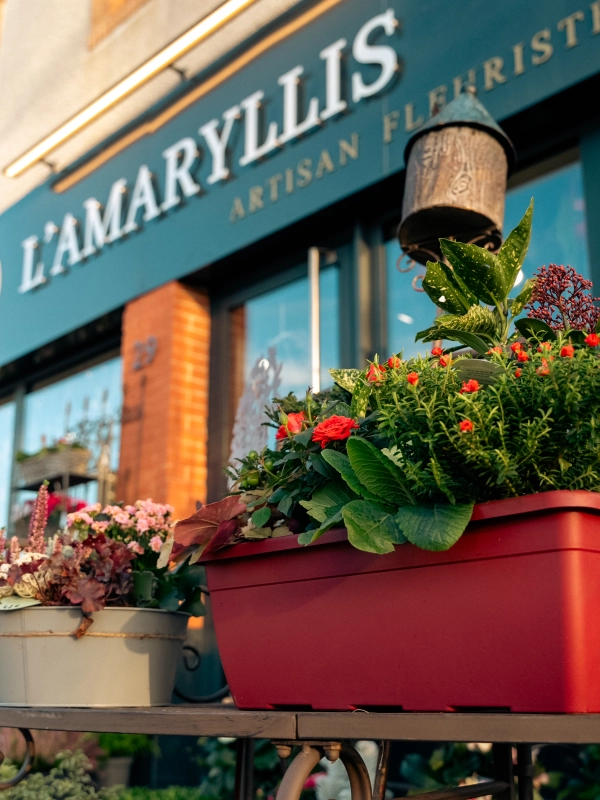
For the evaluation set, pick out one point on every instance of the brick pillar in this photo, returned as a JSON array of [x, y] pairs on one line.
[[165, 413]]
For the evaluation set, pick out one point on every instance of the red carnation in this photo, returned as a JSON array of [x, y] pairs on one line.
[[568, 351], [333, 429], [470, 386]]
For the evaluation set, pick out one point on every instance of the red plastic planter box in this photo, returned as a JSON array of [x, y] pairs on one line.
[[508, 619]]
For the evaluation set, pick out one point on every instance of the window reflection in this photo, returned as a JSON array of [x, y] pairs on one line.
[[7, 423]]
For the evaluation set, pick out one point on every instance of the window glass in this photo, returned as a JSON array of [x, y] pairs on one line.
[[559, 225], [558, 237], [7, 422], [409, 310], [280, 319], [85, 408]]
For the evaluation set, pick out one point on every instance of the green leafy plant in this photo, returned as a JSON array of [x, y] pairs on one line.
[[117, 745], [70, 778], [402, 450]]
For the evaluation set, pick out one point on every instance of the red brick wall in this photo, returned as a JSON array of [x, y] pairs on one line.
[[165, 415]]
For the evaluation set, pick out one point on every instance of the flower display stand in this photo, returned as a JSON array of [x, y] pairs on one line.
[[54, 467]]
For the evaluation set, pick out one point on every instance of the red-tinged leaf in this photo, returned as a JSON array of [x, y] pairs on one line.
[[202, 526], [33, 566], [86, 592], [223, 537]]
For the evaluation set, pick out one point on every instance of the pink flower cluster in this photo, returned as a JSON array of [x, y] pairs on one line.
[[144, 524]]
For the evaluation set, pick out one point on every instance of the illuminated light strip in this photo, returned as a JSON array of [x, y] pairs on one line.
[[133, 81], [150, 127]]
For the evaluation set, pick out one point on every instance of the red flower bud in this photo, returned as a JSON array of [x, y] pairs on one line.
[[496, 349], [543, 370], [515, 347], [592, 340], [413, 378], [466, 426], [436, 351], [568, 351], [394, 362], [544, 346], [375, 373], [292, 426], [518, 373], [445, 361], [522, 357]]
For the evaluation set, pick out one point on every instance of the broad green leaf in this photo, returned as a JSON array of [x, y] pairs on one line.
[[524, 296], [311, 536], [341, 463], [193, 606], [575, 337], [485, 372], [346, 378], [143, 586], [286, 505], [377, 473], [435, 527], [442, 286], [304, 437], [320, 466], [261, 517], [428, 335], [360, 400], [535, 329], [468, 339], [371, 528], [277, 496], [478, 269], [512, 253], [327, 500], [478, 319]]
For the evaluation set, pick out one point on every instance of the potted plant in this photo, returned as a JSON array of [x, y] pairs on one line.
[[119, 751], [375, 598], [67, 456], [87, 617]]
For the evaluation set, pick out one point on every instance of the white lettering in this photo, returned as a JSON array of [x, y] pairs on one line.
[[383, 55], [31, 276], [218, 144], [142, 197], [67, 244], [178, 172], [291, 127], [252, 150], [332, 56], [99, 230]]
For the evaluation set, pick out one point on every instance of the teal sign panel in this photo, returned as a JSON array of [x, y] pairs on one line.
[[318, 116]]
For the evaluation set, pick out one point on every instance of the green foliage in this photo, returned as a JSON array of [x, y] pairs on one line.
[[217, 760], [171, 793], [68, 779], [370, 527], [475, 276], [127, 744], [449, 765], [434, 527]]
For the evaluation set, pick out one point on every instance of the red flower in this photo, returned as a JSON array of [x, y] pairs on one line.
[[466, 426], [544, 346], [333, 429], [522, 357], [470, 386], [568, 351], [592, 340], [436, 351], [445, 361], [292, 426], [515, 347], [375, 373], [518, 373], [496, 349], [543, 370], [394, 362], [413, 378]]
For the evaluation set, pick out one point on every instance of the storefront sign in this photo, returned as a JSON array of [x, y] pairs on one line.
[[321, 115]]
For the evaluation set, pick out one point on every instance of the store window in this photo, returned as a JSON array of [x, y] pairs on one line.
[[7, 424], [71, 434], [558, 236], [271, 346]]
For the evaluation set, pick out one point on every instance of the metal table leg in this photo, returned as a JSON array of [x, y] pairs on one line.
[[244, 770], [307, 759], [524, 771], [27, 764], [380, 784]]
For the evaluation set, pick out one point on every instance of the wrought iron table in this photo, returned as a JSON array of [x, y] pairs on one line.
[[317, 734]]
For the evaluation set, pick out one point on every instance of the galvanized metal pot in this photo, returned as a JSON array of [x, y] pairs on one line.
[[128, 657]]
